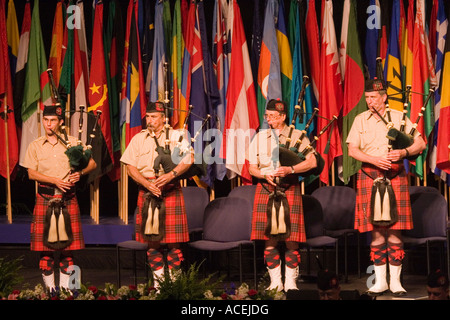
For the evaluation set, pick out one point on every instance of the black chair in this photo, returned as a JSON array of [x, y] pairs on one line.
[[245, 191], [315, 230], [338, 207], [429, 214], [195, 200], [227, 226], [135, 247]]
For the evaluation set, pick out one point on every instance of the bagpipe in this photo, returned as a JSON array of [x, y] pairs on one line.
[[79, 157], [398, 138], [290, 156], [167, 158]]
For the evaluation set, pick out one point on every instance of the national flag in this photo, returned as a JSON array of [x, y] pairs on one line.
[[12, 32], [392, 68], [147, 40], [269, 74], [133, 99], [22, 57], [443, 132], [384, 31], [36, 88], [407, 46], [284, 52], [220, 54], [8, 134], [242, 111], [257, 34], [440, 37], [176, 63], [82, 40], [312, 33], [55, 60], [331, 95], [99, 101], [354, 99], [373, 24], [423, 78], [159, 56]]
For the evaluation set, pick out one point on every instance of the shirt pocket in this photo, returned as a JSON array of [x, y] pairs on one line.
[[367, 137]]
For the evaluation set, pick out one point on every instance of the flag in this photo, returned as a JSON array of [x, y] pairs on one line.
[[133, 99], [99, 101], [176, 62], [284, 52], [371, 45], [257, 34], [392, 68], [312, 33], [423, 78], [384, 31], [220, 54], [441, 27], [354, 99], [147, 41], [22, 57], [12, 32], [269, 74], [443, 132], [36, 88], [113, 42], [159, 56], [8, 133], [55, 59], [242, 112], [407, 46], [331, 95]]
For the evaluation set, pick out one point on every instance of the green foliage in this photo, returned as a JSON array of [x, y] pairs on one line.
[[9, 275]]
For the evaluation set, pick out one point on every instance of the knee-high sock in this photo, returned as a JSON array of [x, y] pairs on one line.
[[155, 259], [378, 254], [395, 253], [174, 258], [292, 258], [65, 263], [272, 258], [46, 264]]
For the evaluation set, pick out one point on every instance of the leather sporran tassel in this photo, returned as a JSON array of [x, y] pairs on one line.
[[274, 229], [386, 212], [377, 205], [53, 232], [148, 222], [281, 222], [62, 227], [155, 225]]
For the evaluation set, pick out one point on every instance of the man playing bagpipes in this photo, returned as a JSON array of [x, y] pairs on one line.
[[161, 216], [383, 203], [56, 224], [278, 211]]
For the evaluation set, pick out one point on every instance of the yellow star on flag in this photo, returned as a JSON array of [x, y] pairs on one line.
[[95, 89]]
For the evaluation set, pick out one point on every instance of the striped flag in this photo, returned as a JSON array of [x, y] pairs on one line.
[[407, 46], [55, 60], [284, 52], [176, 63], [159, 56], [269, 74], [313, 38], [242, 111], [37, 87], [371, 46], [12, 32], [331, 95]]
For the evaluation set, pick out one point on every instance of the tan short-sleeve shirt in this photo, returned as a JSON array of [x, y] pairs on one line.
[[263, 150], [369, 133], [141, 151], [47, 158]]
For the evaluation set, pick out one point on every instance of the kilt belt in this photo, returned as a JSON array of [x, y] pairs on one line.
[[382, 200]]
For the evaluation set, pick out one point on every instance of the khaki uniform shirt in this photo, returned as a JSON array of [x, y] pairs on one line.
[[263, 150], [141, 151], [369, 133], [48, 159]]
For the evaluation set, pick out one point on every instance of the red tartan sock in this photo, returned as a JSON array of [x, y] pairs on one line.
[[292, 258], [272, 258], [174, 258], [155, 259], [46, 264], [378, 254], [65, 263], [395, 253]]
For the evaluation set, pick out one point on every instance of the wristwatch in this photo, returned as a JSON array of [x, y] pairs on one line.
[[293, 171], [174, 173]]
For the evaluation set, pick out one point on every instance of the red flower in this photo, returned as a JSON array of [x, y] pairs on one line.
[[102, 298], [224, 296], [93, 289], [70, 298], [132, 287], [252, 292]]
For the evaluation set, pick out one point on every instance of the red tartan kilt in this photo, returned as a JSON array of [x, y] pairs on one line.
[[259, 219], [176, 227], [37, 225], [363, 196]]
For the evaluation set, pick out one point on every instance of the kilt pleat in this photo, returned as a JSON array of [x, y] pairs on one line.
[[259, 218], [363, 196], [37, 224], [176, 227]]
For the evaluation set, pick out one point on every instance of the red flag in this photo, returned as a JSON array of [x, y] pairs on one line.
[[331, 95], [98, 88], [312, 32], [242, 111], [8, 135]]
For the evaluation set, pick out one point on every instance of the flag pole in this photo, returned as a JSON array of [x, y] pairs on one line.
[[8, 176]]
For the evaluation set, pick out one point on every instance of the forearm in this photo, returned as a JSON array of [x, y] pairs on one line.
[[134, 173], [39, 177], [92, 165]]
